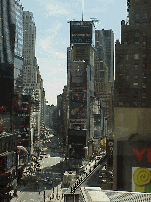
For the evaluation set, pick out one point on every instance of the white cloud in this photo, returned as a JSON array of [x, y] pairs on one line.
[[56, 9]]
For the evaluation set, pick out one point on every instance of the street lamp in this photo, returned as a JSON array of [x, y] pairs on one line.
[[44, 194]]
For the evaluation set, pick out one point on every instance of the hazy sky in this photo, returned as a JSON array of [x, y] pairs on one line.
[[53, 32]]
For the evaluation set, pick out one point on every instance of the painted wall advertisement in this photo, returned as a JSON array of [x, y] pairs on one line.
[[134, 164], [78, 76], [78, 105]]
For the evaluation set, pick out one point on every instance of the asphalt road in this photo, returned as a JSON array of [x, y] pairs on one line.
[[50, 167]]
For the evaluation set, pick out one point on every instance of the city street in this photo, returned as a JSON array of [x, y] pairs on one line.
[[47, 178]]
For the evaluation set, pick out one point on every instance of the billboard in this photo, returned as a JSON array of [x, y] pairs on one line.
[[78, 76], [133, 166], [97, 125], [80, 32], [141, 179], [77, 136], [77, 151], [81, 53], [21, 104], [78, 105]]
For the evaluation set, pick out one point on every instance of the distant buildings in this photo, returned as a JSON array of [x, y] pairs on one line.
[[104, 83], [132, 103], [22, 100], [8, 140]]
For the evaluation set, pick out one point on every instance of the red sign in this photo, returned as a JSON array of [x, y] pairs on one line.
[[109, 147], [140, 154], [2, 109]]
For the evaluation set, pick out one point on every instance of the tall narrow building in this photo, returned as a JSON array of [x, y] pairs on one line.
[[132, 103], [81, 88], [104, 80], [18, 52]]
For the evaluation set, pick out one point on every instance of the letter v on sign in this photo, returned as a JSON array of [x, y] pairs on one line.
[[140, 154], [149, 155]]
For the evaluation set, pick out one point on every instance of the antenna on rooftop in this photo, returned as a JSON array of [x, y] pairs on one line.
[[82, 8], [94, 20]]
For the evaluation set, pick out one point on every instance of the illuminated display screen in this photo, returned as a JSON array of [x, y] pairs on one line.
[[81, 32]]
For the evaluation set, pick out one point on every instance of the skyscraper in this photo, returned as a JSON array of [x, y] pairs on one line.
[[7, 43], [132, 104], [104, 41], [80, 87], [18, 52], [104, 77]]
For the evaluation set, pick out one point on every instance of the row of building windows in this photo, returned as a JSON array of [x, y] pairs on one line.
[[136, 43], [138, 15], [134, 104], [32, 84]]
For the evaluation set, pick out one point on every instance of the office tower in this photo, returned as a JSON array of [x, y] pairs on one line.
[[103, 84], [132, 99], [80, 88], [8, 143], [18, 52], [7, 43], [104, 42]]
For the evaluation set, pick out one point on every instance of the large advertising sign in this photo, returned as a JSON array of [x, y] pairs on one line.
[[109, 147], [81, 53], [21, 104], [77, 151], [77, 136], [134, 164], [78, 76], [97, 125], [81, 32], [78, 106]]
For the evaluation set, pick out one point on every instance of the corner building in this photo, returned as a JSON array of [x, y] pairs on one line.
[[132, 104], [80, 69]]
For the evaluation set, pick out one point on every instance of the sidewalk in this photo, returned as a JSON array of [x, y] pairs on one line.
[[58, 190]]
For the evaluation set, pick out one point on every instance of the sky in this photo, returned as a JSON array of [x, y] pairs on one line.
[[53, 33]]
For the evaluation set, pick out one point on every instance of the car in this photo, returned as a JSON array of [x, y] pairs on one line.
[[50, 182]]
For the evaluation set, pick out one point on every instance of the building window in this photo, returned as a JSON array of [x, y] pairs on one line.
[[144, 66], [135, 84], [136, 76], [127, 66], [145, 6], [144, 42], [143, 95], [136, 56], [121, 104], [137, 16], [143, 85], [135, 66], [137, 23], [135, 104], [127, 76], [145, 16], [136, 43], [144, 23], [125, 42], [137, 34], [144, 55], [127, 104], [127, 57], [144, 33]]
